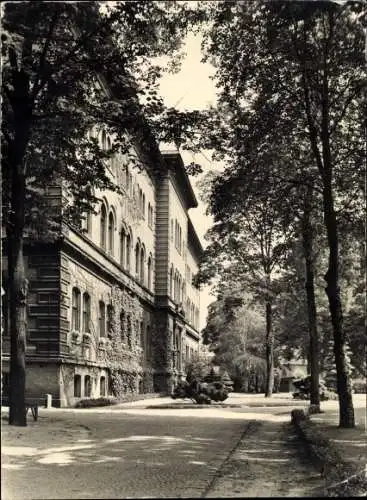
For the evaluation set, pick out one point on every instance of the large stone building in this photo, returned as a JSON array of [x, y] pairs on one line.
[[112, 309]]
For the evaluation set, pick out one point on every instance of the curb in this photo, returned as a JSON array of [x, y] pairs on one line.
[[342, 479]]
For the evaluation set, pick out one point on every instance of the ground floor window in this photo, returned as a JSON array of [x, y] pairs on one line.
[[77, 386], [102, 386], [87, 386]]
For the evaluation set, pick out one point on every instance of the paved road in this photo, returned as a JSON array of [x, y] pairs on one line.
[[123, 455], [155, 453]]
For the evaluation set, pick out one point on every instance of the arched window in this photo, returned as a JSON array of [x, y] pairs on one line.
[[171, 282], [137, 259], [122, 325], [77, 386], [75, 310], [123, 247], [149, 272], [102, 319], [142, 261], [110, 315], [149, 215], [111, 228], [87, 386], [86, 312], [103, 226], [128, 252], [102, 386], [143, 205]]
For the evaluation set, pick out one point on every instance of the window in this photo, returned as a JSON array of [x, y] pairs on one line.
[[148, 342], [75, 310], [122, 325], [87, 223], [86, 312], [125, 176], [143, 206], [102, 386], [102, 319], [110, 315], [122, 247], [171, 229], [111, 227], [142, 339], [137, 259], [104, 140], [77, 386], [142, 261], [128, 252], [103, 226], [87, 386], [128, 330], [171, 282], [149, 272], [150, 215]]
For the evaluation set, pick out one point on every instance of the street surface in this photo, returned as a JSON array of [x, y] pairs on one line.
[[137, 452]]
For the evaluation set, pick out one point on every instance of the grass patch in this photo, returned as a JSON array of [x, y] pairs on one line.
[[341, 478]]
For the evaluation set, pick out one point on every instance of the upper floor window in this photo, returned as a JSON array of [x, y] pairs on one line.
[[142, 262], [122, 325], [171, 282], [110, 315], [171, 229], [103, 226], [178, 236], [150, 215], [111, 229], [102, 319], [75, 309], [129, 330], [86, 312], [123, 247], [149, 284], [128, 252], [143, 205], [137, 260]]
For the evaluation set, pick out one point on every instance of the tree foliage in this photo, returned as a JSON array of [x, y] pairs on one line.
[[290, 83], [70, 72]]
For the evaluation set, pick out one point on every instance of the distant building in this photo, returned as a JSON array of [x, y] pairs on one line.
[[113, 310]]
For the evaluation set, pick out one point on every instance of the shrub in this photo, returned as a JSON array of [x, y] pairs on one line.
[[200, 392], [303, 387], [359, 387], [94, 402]]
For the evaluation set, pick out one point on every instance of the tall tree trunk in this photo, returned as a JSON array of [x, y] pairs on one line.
[[314, 357], [18, 287], [22, 105], [346, 409], [269, 351]]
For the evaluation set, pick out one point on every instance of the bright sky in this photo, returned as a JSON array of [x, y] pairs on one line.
[[190, 89]]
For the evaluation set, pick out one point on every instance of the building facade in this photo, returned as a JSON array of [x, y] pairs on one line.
[[112, 309]]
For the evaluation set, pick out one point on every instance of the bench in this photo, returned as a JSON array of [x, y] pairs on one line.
[[30, 404]]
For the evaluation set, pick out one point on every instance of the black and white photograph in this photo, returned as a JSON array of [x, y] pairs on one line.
[[183, 249]]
